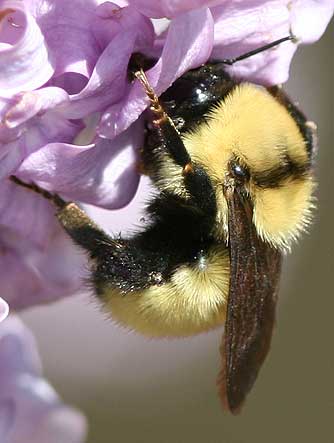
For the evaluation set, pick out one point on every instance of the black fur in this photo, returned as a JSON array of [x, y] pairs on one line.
[[299, 118], [168, 140], [192, 96], [274, 178], [200, 188], [177, 235]]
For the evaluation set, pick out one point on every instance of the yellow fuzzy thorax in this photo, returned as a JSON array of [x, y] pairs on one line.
[[253, 127]]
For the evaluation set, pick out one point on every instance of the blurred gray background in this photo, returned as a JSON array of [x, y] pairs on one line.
[[137, 390]]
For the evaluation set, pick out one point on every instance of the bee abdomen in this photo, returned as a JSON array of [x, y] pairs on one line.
[[192, 300]]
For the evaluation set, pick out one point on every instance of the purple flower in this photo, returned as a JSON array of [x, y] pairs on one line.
[[225, 31], [30, 409], [43, 114], [71, 120], [37, 261], [171, 8], [3, 309]]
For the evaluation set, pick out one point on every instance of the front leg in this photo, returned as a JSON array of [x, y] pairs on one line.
[[168, 146], [165, 128]]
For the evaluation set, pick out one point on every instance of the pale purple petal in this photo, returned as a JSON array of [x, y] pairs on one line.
[[18, 352], [241, 26], [30, 409], [25, 63], [108, 81], [188, 44], [170, 8], [30, 103], [109, 78], [62, 424], [66, 27], [7, 134], [24, 214], [111, 19], [104, 174], [38, 131], [309, 18], [31, 276], [3, 310], [7, 413], [38, 262], [71, 82]]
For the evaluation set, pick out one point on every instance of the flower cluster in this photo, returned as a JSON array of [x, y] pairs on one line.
[[71, 121], [30, 409]]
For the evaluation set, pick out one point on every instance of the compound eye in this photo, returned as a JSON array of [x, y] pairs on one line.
[[240, 173]]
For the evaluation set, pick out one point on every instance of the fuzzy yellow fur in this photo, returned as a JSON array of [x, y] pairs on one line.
[[253, 127], [193, 301]]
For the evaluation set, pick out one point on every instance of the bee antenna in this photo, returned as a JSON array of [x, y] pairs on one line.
[[231, 61]]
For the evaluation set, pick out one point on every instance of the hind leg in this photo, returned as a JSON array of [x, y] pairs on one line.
[[125, 264]]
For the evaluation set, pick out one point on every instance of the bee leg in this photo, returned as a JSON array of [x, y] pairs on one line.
[[196, 180], [126, 265], [119, 263], [165, 127], [54, 198], [81, 228], [140, 166]]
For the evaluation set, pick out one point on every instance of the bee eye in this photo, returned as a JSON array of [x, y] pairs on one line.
[[240, 173]]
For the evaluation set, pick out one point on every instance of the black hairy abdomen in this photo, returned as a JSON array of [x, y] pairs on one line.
[[176, 237]]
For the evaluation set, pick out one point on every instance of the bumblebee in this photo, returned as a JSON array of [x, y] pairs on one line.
[[232, 164]]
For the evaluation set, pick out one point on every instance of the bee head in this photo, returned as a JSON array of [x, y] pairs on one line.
[[250, 141]]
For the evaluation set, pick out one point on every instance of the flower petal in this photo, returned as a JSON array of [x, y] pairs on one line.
[[4, 310], [7, 417], [20, 141], [30, 276], [309, 18], [62, 424], [66, 26], [25, 214], [30, 103], [33, 412], [18, 351], [38, 262], [188, 44], [104, 174], [112, 19], [242, 26], [109, 78], [170, 8], [24, 58], [108, 81]]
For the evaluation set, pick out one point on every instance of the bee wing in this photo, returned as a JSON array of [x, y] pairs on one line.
[[254, 274]]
